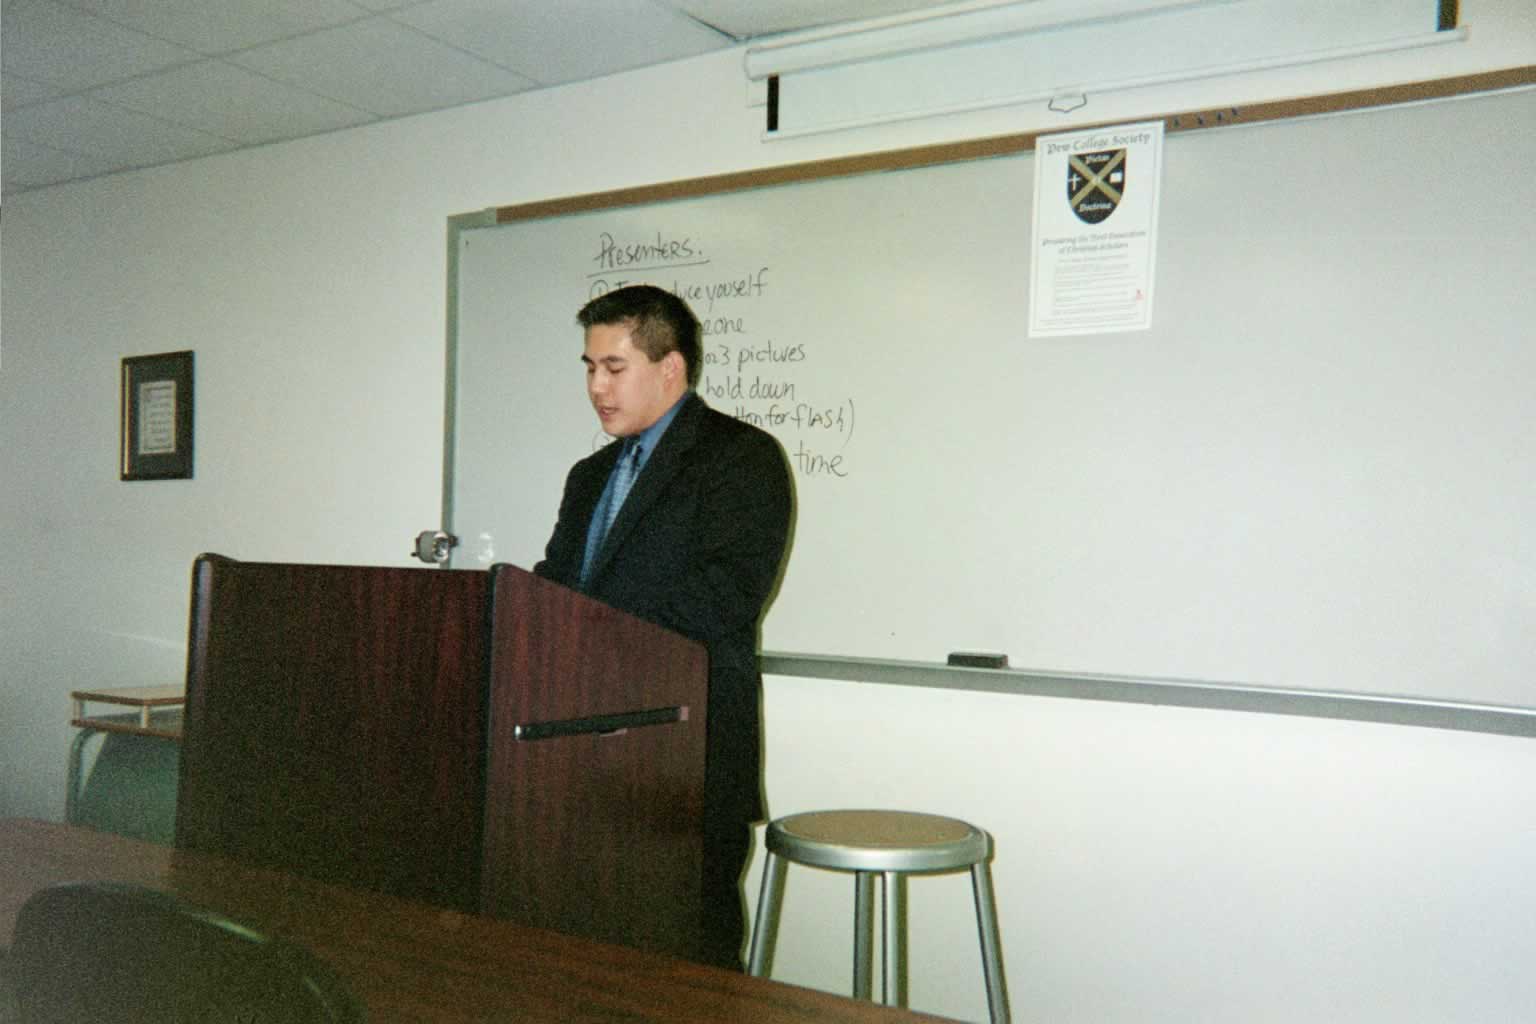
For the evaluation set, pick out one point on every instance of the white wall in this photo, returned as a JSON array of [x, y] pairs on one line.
[[1165, 864], [1153, 864]]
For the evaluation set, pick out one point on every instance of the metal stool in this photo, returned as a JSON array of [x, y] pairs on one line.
[[894, 844]]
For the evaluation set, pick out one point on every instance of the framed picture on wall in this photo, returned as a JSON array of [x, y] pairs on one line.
[[157, 417]]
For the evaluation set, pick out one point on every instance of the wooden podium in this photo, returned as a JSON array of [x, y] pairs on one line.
[[487, 741]]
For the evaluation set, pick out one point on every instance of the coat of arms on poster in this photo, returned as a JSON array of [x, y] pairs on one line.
[[1095, 230]]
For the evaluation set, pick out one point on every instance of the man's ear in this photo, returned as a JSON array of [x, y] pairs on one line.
[[674, 366]]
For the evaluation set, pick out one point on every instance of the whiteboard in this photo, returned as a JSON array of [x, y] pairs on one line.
[[1314, 470]]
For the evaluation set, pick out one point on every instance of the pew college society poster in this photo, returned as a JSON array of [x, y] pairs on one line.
[[1095, 230]]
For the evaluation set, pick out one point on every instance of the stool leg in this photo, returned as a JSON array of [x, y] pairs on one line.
[[991, 945], [863, 934], [893, 981], [765, 931]]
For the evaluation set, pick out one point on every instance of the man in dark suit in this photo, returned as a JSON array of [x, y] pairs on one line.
[[699, 505]]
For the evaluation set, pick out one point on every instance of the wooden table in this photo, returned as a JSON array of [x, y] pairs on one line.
[[413, 962], [159, 710]]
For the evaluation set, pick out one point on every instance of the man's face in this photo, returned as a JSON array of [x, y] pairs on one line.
[[628, 391]]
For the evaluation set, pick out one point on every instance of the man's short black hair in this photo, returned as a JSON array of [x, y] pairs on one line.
[[659, 322]]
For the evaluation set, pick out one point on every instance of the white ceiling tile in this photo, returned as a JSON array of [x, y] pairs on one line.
[[16, 91], [122, 137], [219, 26], [48, 42], [28, 165], [233, 103], [565, 42], [324, 64], [382, 67]]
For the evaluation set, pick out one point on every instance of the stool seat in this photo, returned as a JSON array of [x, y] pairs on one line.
[[878, 841], [892, 844]]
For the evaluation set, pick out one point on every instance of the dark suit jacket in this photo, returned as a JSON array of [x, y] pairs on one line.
[[696, 548]]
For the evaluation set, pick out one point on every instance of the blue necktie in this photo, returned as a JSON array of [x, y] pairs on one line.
[[624, 473]]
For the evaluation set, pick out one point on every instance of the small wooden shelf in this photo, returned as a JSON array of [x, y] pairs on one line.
[[158, 710]]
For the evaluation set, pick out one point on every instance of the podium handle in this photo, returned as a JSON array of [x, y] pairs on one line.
[[600, 724]]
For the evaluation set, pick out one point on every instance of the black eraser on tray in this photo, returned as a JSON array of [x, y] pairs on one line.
[[977, 659]]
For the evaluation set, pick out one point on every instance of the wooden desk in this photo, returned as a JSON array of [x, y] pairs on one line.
[[159, 710], [412, 962]]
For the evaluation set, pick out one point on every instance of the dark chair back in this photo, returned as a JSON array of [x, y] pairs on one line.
[[96, 952]]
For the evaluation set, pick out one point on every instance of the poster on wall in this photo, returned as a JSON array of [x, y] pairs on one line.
[[156, 432], [1095, 230]]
